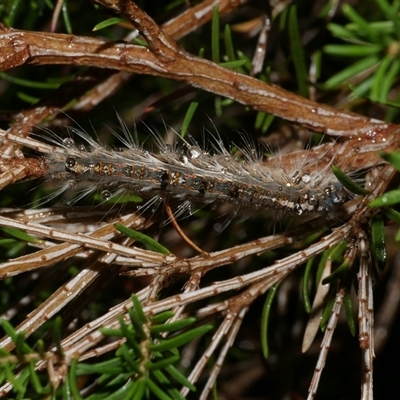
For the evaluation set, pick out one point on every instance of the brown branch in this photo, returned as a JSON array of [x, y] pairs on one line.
[[197, 16], [35, 48], [178, 27], [159, 42]]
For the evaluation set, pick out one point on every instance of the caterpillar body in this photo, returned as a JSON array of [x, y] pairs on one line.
[[299, 189]]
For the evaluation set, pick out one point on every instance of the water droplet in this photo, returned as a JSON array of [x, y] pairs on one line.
[[194, 152], [166, 149], [218, 227], [106, 194], [68, 143], [336, 198], [306, 178]]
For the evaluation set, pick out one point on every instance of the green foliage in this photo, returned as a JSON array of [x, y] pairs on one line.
[[378, 242], [306, 285], [107, 23], [388, 199], [18, 368], [150, 243], [347, 182], [145, 362], [297, 52], [342, 273], [144, 365], [375, 45], [348, 306], [188, 117], [265, 319], [215, 36]]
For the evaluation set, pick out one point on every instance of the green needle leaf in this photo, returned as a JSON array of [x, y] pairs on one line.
[[34, 379], [297, 52], [347, 182], [140, 390], [388, 80], [188, 117], [230, 50], [306, 292], [215, 35], [351, 71], [73, 380], [106, 23], [376, 90], [348, 306], [66, 18], [30, 84], [57, 328], [362, 25], [387, 199], [341, 32], [157, 391], [163, 363], [150, 243], [173, 326], [20, 235], [15, 336], [162, 317], [393, 158], [233, 64], [138, 308], [352, 50], [180, 377], [327, 312], [393, 215], [378, 243], [265, 318], [181, 339]]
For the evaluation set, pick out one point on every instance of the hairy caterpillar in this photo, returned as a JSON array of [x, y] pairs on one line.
[[302, 187], [189, 174]]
